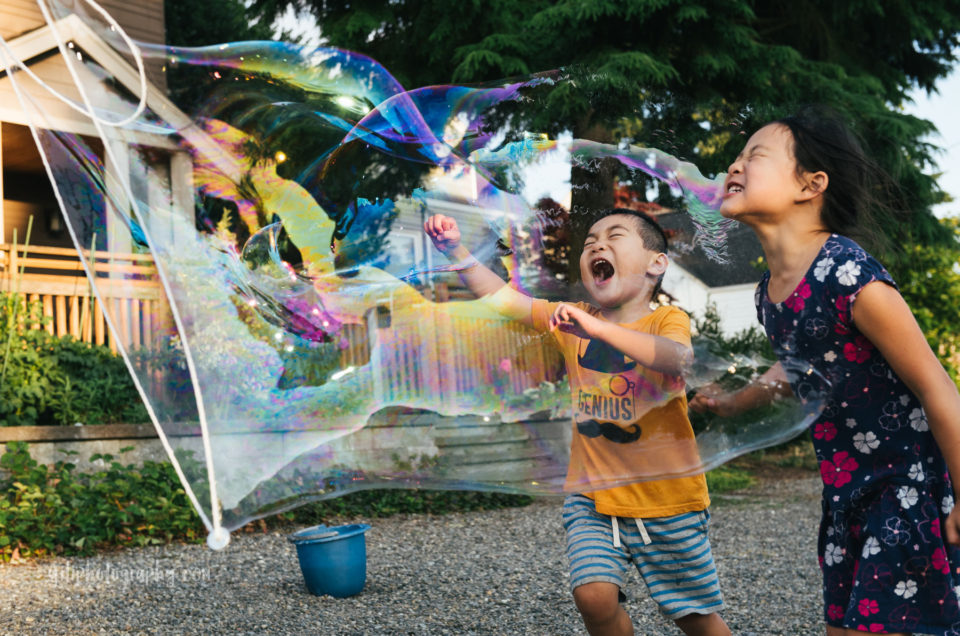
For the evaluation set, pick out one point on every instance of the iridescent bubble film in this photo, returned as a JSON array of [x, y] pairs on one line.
[[313, 341]]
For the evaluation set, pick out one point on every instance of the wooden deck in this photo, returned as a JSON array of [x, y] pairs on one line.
[[54, 278]]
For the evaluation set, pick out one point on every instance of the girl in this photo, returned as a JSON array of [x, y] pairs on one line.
[[888, 437]]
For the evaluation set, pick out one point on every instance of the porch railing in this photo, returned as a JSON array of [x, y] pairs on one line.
[[134, 299], [54, 277]]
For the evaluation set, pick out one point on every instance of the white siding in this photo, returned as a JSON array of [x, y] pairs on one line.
[[408, 227], [734, 302], [736, 307], [141, 19]]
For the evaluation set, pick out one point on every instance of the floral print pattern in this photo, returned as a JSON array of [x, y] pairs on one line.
[[838, 471], [906, 589], [866, 442], [847, 273], [825, 430], [886, 567], [797, 299]]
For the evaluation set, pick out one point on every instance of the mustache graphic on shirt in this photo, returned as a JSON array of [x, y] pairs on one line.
[[605, 358], [610, 431]]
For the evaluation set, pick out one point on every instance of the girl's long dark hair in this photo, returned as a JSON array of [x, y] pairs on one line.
[[861, 199]]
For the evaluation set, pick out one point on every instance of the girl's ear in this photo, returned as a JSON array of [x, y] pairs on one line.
[[658, 265], [814, 185]]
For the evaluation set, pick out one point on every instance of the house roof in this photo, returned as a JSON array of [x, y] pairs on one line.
[[39, 48], [742, 246], [143, 20]]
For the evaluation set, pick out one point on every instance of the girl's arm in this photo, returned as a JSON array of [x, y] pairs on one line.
[[653, 352], [766, 389], [882, 315]]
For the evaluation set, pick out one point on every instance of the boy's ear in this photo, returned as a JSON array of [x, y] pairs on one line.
[[658, 265], [814, 185]]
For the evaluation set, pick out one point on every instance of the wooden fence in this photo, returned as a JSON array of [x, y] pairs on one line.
[[410, 365], [54, 278], [435, 355]]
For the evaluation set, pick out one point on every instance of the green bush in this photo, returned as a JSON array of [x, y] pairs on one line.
[[59, 511], [709, 337], [929, 277], [49, 380]]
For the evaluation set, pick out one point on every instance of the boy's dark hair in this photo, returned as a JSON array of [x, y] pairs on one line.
[[859, 192], [652, 235]]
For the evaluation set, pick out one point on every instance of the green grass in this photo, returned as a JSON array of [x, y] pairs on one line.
[[796, 455], [792, 459], [387, 502], [728, 478]]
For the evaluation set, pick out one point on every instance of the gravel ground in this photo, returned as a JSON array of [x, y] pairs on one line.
[[500, 572]]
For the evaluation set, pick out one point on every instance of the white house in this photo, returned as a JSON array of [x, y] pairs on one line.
[[695, 281]]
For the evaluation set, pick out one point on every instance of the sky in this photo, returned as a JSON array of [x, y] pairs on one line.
[[937, 108]]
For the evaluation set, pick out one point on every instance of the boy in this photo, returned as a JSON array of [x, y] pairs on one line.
[[624, 362]]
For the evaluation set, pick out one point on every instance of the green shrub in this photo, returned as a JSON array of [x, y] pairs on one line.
[[59, 511], [929, 277], [49, 380]]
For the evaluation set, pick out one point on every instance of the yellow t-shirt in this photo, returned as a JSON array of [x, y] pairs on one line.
[[629, 422]]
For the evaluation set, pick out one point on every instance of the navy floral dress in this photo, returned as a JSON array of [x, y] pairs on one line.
[[886, 491]]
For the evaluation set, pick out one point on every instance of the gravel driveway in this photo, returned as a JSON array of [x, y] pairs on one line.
[[500, 572]]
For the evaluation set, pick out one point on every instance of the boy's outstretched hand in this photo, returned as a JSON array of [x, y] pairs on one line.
[[570, 319], [443, 231]]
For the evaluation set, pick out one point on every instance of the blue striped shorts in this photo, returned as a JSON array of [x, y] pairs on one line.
[[672, 555]]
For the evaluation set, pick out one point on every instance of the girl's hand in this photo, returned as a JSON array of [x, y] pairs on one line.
[[712, 399], [443, 231], [570, 319]]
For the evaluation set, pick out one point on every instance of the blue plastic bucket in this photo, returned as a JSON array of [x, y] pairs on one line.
[[333, 560]]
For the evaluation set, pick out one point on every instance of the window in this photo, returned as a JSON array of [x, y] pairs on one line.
[[404, 252]]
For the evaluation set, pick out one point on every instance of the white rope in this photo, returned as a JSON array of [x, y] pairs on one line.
[[643, 531], [218, 535], [84, 109]]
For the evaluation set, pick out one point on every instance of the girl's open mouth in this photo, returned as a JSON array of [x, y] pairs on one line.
[[732, 189]]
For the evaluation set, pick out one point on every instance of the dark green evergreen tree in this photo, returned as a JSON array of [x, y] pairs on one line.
[[692, 76], [206, 22], [197, 23], [730, 63]]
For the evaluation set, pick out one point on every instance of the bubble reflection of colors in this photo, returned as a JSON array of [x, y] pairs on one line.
[[313, 341]]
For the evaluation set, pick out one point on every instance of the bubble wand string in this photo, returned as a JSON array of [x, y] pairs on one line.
[[134, 50], [218, 537]]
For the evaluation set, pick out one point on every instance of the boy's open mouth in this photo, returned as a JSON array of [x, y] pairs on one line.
[[602, 270]]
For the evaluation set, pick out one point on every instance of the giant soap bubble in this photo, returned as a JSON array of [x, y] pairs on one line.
[[311, 340]]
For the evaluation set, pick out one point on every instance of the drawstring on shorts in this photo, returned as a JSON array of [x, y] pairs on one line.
[[616, 531]]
